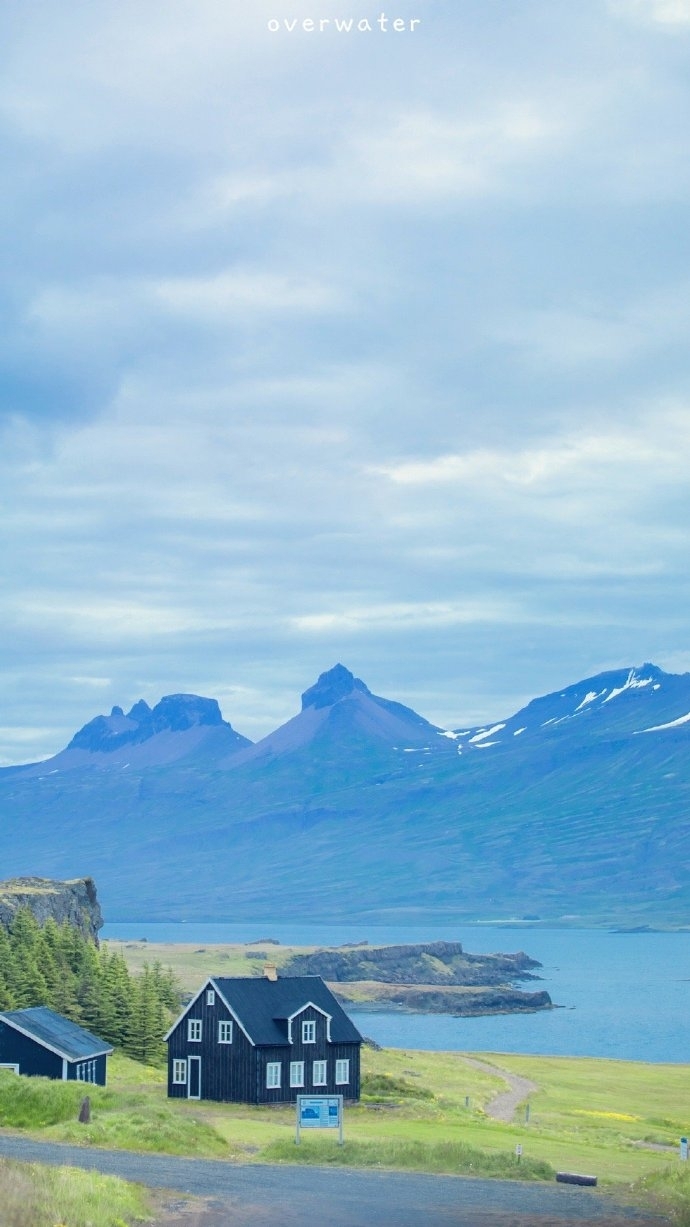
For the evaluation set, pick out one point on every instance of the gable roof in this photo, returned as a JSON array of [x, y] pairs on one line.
[[265, 1006], [59, 1035]]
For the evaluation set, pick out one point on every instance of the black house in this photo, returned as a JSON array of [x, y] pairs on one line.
[[263, 1040], [39, 1041]]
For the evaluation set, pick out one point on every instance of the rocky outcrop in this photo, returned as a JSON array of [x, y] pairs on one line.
[[430, 978], [429, 963], [429, 999], [174, 714], [73, 901]]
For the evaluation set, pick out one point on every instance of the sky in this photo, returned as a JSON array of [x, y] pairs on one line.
[[319, 346]]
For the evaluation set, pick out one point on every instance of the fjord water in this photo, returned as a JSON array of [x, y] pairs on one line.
[[624, 995]]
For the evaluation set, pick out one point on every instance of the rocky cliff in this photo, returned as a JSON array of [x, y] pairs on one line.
[[428, 963], [74, 901], [431, 978]]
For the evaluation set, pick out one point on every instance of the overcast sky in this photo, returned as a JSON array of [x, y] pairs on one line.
[[321, 346]]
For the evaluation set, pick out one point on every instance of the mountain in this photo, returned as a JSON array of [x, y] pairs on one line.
[[573, 808], [621, 702], [340, 715], [180, 726]]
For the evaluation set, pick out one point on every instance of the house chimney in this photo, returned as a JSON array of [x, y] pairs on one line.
[[270, 971]]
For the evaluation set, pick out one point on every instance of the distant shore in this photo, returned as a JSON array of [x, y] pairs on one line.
[[422, 978]]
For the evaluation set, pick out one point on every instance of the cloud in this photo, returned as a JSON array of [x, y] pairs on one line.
[[403, 617], [420, 156], [213, 298], [584, 336], [664, 13], [657, 446], [330, 349]]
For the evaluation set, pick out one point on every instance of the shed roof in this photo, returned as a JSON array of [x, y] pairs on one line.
[[263, 1006], [56, 1033]]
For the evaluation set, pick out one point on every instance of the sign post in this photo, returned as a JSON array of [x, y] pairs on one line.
[[683, 1148], [319, 1112]]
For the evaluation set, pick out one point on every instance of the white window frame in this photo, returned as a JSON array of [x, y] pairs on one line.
[[194, 1030], [224, 1031], [319, 1073], [179, 1071], [342, 1071], [210, 996], [309, 1031], [297, 1073], [86, 1071], [273, 1075]]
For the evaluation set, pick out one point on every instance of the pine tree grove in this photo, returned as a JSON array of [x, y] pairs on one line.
[[57, 966]]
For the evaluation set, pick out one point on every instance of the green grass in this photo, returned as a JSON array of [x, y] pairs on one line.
[[449, 1157], [130, 1114], [192, 963], [670, 1190], [36, 1196], [421, 1110], [34, 1103]]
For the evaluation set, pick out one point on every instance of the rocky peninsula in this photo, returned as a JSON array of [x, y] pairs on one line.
[[433, 977]]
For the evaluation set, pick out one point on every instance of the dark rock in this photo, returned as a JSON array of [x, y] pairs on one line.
[[428, 963], [74, 901], [182, 711], [332, 686]]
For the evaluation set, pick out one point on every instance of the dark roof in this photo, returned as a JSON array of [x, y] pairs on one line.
[[262, 1006], [58, 1034]]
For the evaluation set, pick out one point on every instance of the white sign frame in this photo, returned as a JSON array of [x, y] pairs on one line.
[[319, 1112]]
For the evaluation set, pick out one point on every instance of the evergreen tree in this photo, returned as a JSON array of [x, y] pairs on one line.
[[144, 1040], [59, 967], [7, 972]]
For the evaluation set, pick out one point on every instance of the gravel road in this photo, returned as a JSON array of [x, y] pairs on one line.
[[291, 1196], [503, 1106]]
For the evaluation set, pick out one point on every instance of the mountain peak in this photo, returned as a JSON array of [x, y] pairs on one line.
[[337, 683], [178, 712]]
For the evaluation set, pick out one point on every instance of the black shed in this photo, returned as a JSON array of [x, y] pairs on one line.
[[39, 1041], [263, 1040]]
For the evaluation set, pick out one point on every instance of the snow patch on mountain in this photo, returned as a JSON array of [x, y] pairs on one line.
[[479, 737], [631, 683], [672, 724], [589, 698]]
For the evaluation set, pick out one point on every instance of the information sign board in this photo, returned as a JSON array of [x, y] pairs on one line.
[[320, 1112]]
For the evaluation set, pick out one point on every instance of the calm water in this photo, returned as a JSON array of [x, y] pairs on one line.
[[624, 995]]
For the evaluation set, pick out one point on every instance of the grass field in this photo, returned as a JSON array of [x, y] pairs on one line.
[[192, 963], [37, 1196], [418, 1109], [618, 1120]]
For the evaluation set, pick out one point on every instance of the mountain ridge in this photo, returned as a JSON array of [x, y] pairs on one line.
[[574, 806]]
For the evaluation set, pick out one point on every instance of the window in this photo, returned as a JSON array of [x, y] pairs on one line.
[[319, 1075], [308, 1032], [273, 1074], [210, 997], [297, 1073], [224, 1032], [342, 1073], [179, 1072], [86, 1071], [194, 1030]]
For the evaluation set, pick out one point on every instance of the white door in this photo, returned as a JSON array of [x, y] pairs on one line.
[[194, 1078]]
